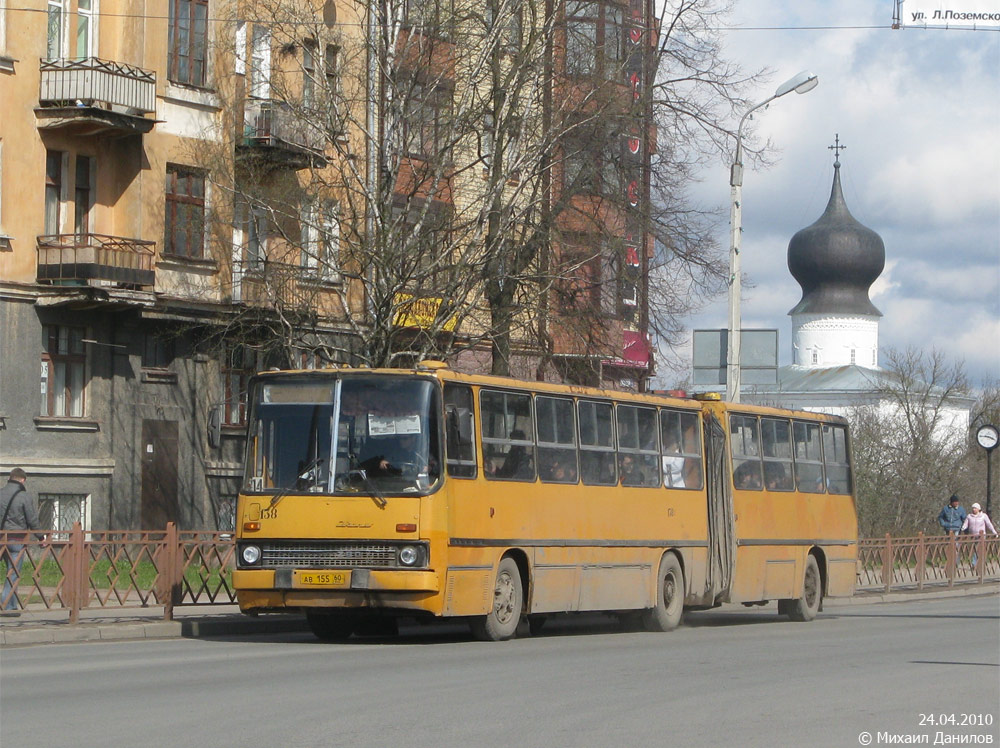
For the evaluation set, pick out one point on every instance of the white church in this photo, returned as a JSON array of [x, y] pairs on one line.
[[835, 325]]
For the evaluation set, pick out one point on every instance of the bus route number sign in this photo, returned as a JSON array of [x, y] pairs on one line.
[[324, 578]]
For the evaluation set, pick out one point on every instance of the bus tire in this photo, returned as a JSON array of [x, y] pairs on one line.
[[331, 627], [669, 596], [501, 622], [807, 606]]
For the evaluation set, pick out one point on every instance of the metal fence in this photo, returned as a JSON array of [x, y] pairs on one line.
[[82, 570], [896, 564]]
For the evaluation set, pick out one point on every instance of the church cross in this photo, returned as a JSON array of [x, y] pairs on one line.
[[837, 148]]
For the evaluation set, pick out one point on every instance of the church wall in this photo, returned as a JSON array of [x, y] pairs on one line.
[[832, 338]]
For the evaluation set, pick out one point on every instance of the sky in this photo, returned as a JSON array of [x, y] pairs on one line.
[[919, 113]]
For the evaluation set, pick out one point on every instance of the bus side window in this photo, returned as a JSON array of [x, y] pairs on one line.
[[508, 435], [680, 441], [556, 440], [597, 443], [744, 441], [776, 440], [838, 466], [638, 447], [460, 442], [807, 442]]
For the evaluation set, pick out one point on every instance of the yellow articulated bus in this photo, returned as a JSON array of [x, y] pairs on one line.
[[373, 494]]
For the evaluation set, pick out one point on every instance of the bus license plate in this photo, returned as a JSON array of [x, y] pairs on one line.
[[324, 578]]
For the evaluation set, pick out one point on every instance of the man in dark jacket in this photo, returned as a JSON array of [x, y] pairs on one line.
[[952, 516], [17, 512]]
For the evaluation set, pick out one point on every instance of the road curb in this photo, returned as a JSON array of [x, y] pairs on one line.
[[870, 598], [237, 624]]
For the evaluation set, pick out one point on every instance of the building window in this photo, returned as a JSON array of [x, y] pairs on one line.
[[594, 38], [854, 356], [53, 191], [86, 28], [578, 287], [238, 365], [321, 241], [157, 351], [331, 69], [505, 22], [184, 221], [309, 73], [423, 121], [260, 62], [84, 195], [56, 14], [187, 42], [64, 367], [60, 511], [815, 356]]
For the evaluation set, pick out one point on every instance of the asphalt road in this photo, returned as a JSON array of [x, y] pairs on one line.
[[727, 677]]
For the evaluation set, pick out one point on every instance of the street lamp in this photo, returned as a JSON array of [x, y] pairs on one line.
[[801, 83]]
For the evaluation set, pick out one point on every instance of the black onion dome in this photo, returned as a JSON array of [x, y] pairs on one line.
[[836, 260]]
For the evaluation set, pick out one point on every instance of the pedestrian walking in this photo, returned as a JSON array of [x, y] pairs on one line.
[[952, 516], [978, 522], [19, 513]]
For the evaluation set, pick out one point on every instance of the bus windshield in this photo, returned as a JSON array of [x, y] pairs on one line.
[[351, 434]]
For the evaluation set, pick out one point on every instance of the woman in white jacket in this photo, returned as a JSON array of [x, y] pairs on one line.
[[978, 522]]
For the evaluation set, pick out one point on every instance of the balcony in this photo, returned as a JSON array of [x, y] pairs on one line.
[[95, 260], [276, 136], [88, 96]]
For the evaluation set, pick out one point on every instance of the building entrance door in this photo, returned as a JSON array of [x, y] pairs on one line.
[[159, 474]]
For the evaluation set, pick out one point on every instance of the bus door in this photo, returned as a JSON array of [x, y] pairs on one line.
[[721, 531]]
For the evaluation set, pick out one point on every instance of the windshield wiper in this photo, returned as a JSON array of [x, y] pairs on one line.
[[373, 491], [305, 474]]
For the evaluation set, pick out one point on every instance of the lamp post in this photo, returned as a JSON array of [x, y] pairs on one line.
[[801, 83]]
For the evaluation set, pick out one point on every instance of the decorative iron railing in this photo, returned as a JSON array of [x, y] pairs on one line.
[[89, 81], [89, 258], [896, 564], [81, 571], [276, 125]]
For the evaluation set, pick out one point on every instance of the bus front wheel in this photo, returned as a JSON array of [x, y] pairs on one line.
[[669, 597], [508, 601], [806, 607]]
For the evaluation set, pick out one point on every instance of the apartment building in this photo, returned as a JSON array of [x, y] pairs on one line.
[[194, 190], [127, 258]]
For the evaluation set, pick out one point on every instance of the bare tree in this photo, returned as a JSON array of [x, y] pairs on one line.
[[418, 179], [911, 445]]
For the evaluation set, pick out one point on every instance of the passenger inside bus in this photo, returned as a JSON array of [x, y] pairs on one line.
[[517, 464], [747, 476]]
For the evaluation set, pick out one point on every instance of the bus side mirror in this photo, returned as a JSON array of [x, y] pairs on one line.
[[215, 426], [464, 426], [460, 426]]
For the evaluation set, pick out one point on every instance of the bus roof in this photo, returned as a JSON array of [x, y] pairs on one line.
[[439, 371]]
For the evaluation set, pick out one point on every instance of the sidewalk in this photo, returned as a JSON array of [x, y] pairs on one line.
[[196, 621], [193, 621]]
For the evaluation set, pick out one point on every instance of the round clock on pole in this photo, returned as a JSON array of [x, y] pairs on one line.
[[988, 436]]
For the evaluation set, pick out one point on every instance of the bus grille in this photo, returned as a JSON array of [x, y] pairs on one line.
[[328, 555]]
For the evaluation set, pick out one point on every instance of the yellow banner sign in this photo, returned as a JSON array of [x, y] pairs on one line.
[[419, 312]]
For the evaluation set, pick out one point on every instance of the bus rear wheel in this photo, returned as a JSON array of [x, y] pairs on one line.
[[669, 597], [806, 607], [331, 627], [508, 602]]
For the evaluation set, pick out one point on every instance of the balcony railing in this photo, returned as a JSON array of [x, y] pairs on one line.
[[273, 131], [95, 259], [268, 283], [88, 88]]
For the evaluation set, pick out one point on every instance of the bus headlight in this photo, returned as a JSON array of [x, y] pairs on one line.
[[409, 555], [250, 554]]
